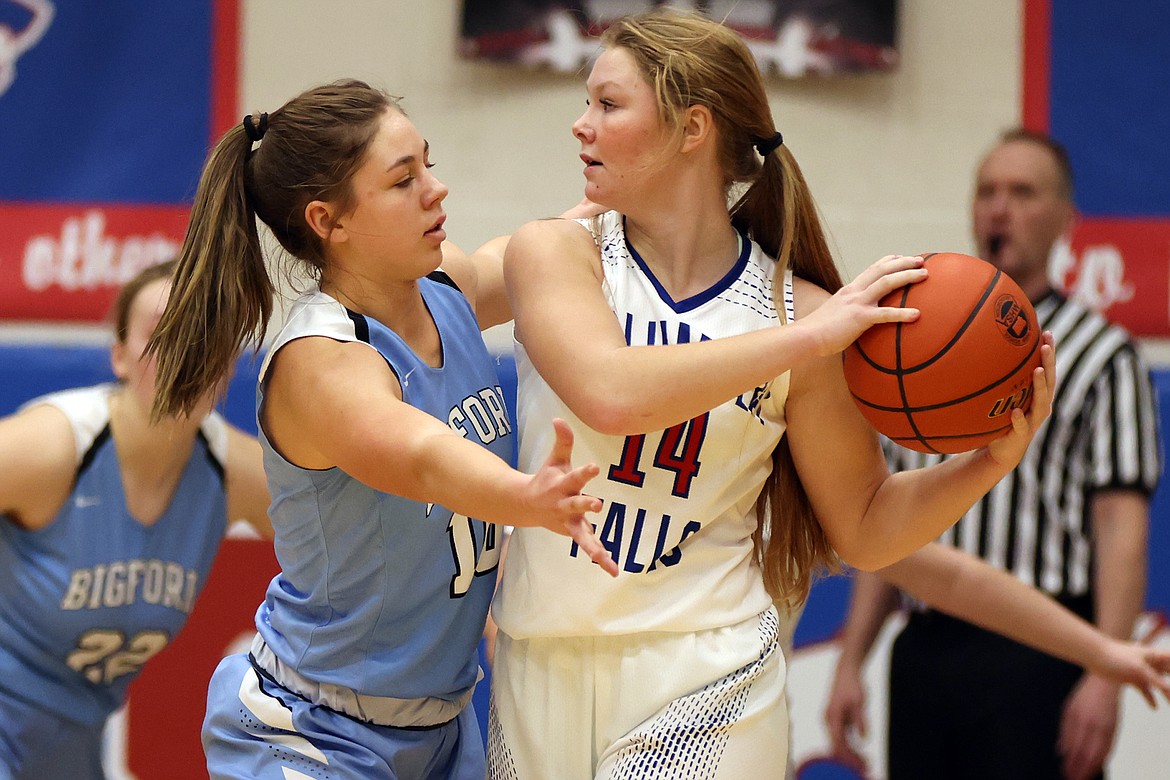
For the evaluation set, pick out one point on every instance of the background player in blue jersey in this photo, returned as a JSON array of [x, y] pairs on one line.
[[385, 438], [110, 523], [653, 329]]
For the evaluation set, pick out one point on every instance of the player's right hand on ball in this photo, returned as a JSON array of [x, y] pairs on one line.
[[855, 307]]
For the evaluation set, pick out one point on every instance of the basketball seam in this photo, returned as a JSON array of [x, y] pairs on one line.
[[950, 401], [943, 350]]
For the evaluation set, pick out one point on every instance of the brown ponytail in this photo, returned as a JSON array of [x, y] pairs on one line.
[[221, 297]]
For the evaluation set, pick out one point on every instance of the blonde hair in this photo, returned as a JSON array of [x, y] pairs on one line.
[[690, 60], [221, 298]]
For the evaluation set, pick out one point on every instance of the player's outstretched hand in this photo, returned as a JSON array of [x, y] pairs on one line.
[[854, 308], [1008, 449], [1145, 668], [554, 493]]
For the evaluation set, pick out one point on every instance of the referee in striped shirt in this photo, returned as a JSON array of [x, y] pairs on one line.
[[1072, 520]]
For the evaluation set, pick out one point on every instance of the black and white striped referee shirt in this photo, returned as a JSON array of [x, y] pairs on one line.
[[1103, 434]]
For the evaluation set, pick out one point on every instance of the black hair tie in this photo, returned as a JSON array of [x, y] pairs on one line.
[[256, 130], [765, 146]]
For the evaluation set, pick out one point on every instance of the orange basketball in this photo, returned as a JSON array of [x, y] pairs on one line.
[[948, 381]]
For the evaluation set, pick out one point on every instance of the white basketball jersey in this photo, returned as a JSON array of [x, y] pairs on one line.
[[679, 504]]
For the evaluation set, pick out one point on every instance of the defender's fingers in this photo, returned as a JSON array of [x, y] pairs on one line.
[[573, 481], [1159, 659], [562, 450], [582, 532], [580, 504], [1146, 688], [1164, 688]]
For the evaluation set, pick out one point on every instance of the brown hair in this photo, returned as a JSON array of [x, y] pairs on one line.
[[120, 311], [691, 60], [222, 294]]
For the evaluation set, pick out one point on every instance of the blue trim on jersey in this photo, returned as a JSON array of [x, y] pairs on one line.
[[213, 461], [442, 277], [697, 300], [91, 453], [360, 328]]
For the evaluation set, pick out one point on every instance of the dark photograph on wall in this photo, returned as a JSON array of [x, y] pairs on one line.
[[790, 38]]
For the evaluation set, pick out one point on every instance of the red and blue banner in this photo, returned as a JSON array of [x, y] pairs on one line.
[[107, 111], [1096, 76]]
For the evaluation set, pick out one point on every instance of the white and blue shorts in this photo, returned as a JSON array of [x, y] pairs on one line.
[[692, 706]]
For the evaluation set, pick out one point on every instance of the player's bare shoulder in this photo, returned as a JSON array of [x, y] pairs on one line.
[[807, 296], [559, 231], [38, 462], [551, 244]]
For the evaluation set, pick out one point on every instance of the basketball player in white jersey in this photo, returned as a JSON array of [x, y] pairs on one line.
[[695, 350]]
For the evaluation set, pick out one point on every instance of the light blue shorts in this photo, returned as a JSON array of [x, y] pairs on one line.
[[257, 729]]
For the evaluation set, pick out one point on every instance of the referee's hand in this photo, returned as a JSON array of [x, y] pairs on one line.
[[1088, 727], [845, 719]]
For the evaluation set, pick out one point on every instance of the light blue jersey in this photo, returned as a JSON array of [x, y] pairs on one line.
[[379, 593], [86, 601], [366, 654]]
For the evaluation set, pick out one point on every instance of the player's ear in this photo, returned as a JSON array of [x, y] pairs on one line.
[[320, 218], [118, 360], [697, 126]]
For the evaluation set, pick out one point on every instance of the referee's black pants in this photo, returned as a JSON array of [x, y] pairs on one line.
[[967, 704]]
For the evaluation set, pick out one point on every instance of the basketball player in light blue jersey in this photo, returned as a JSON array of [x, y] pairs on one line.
[[385, 445], [110, 523], [692, 335]]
